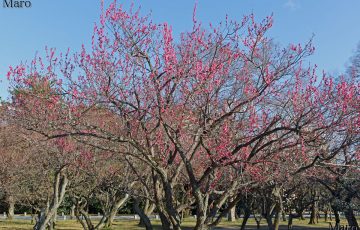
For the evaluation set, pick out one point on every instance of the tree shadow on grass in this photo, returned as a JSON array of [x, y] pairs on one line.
[[265, 228], [250, 227]]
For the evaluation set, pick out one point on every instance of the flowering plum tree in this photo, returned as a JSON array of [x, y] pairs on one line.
[[213, 109], [13, 145]]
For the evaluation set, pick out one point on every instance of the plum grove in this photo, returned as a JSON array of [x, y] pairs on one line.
[[218, 122]]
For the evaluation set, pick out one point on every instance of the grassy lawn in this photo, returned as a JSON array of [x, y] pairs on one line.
[[188, 224]]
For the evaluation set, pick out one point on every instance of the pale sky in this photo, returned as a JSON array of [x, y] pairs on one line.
[[69, 23]]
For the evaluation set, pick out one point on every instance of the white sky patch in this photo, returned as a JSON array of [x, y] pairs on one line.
[[292, 5]]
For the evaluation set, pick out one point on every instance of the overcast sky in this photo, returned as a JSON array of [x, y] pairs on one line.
[[69, 23]]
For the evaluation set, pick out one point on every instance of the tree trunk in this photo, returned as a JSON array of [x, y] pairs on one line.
[[145, 219], [350, 217], [290, 222], [326, 213], [257, 224], [314, 213], [186, 213], [47, 215], [258, 221], [52, 223], [173, 214], [291, 217], [270, 223], [114, 210], [277, 219], [33, 218], [312, 216], [11, 207], [283, 216], [231, 214], [164, 202], [200, 214], [148, 210], [83, 217], [245, 219], [72, 212], [212, 218], [278, 207], [268, 211], [337, 216], [165, 223]]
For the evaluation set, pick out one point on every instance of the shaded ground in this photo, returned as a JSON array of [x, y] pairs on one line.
[[132, 225]]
